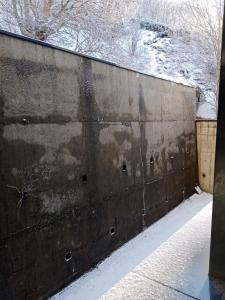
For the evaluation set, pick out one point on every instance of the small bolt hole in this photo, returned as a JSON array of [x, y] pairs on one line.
[[84, 178], [112, 231], [203, 175], [124, 168], [24, 121], [68, 256], [151, 160], [23, 195]]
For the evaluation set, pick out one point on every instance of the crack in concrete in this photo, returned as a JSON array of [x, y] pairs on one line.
[[165, 285]]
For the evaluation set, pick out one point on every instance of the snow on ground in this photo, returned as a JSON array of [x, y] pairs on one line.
[[177, 270], [97, 282]]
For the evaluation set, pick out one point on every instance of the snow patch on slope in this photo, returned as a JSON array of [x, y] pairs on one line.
[[170, 58]]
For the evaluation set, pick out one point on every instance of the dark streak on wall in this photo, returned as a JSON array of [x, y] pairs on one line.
[[143, 151], [91, 154]]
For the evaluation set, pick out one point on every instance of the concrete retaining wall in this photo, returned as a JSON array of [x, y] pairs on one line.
[[206, 137], [91, 154]]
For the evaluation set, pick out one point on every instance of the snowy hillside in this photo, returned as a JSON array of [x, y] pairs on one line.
[[173, 59]]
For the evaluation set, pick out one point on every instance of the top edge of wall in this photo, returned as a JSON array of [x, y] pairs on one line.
[[206, 120], [45, 44]]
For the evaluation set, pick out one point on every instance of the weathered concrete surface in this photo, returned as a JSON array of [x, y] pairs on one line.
[[91, 154]]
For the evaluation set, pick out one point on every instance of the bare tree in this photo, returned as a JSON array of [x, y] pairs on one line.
[[160, 11], [204, 19], [39, 19], [86, 26]]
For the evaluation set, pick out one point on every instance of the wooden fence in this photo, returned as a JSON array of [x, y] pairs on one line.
[[206, 141]]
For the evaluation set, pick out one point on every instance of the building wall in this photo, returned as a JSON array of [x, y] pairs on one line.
[[206, 140], [91, 154], [217, 249]]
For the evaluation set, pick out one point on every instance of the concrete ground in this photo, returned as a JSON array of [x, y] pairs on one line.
[[168, 261]]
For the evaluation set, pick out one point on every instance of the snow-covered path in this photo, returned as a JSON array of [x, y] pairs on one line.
[[167, 261]]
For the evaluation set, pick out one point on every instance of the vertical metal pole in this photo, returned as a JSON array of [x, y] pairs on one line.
[[217, 256]]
